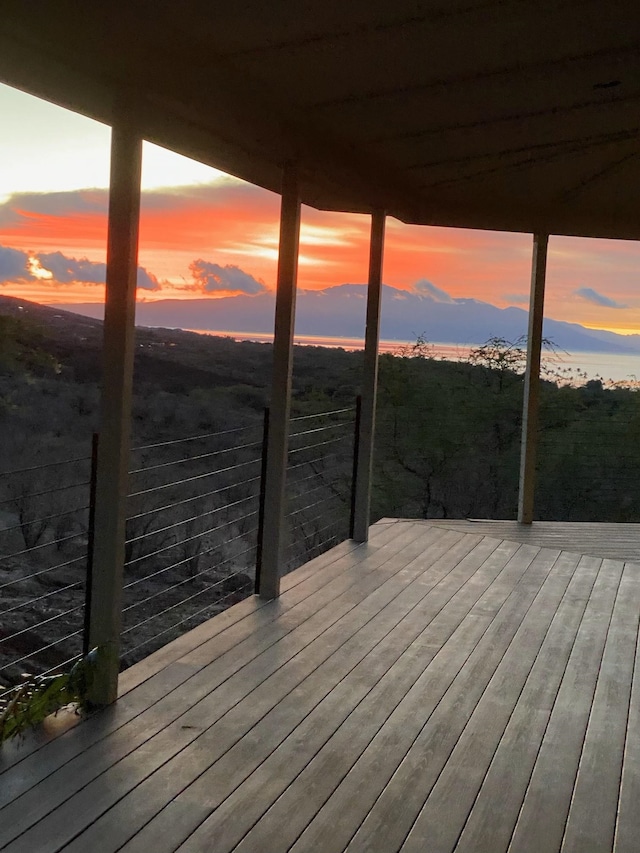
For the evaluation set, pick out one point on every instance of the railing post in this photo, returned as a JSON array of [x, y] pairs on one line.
[[113, 452], [362, 488], [531, 401], [278, 443], [263, 479]]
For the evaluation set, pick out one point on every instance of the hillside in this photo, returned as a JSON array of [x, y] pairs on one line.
[[171, 359], [447, 445]]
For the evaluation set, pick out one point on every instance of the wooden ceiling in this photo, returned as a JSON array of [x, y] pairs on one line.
[[501, 114]]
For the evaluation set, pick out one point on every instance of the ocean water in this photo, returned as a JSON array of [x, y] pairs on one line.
[[577, 367]]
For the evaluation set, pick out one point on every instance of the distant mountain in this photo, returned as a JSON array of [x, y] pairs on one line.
[[340, 311]]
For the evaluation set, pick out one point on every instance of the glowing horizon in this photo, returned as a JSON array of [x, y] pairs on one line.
[[205, 234]]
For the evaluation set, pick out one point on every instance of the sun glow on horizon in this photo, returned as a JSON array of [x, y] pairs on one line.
[[54, 171]]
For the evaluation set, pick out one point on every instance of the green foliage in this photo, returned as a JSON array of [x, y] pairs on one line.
[[448, 440], [421, 348], [31, 703], [23, 348], [499, 354], [447, 436]]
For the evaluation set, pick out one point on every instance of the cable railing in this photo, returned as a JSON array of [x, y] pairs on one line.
[[448, 446], [191, 534], [44, 528], [588, 455], [191, 542], [319, 483]]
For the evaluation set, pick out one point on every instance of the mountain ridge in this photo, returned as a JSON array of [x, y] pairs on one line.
[[339, 311]]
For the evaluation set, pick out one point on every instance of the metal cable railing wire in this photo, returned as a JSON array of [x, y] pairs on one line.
[[212, 533], [329, 414], [192, 498], [31, 601], [45, 492], [588, 455], [166, 590], [34, 548], [51, 645], [182, 542], [182, 602], [192, 518], [193, 538], [185, 561], [43, 559], [314, 430], [192, 459], [319, 485], [195, 478], [76, 560], [200, 437], [42, 519], [195, 616]]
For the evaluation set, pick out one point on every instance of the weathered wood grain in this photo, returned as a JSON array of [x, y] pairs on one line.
[[449, 686]]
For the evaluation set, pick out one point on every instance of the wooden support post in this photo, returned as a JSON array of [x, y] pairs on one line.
[[354, 469], [362, 490], [113, 450], [88, 587], [531, 402], [263, 478], [280, 406]]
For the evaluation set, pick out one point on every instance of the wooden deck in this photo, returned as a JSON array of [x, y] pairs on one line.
[[434, 690], [617, 541]]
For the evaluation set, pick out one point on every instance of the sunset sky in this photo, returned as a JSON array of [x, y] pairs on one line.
[[206, 234]]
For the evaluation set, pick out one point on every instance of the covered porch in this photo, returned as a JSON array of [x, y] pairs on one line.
[[438, 688], [486, 122], [425, 685]]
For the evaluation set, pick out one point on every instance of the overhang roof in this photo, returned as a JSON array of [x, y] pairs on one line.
[[501, 114]]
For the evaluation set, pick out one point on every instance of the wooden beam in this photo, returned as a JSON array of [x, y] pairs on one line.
[[531, 402], [280, 407], [113, 452], [364, 474]]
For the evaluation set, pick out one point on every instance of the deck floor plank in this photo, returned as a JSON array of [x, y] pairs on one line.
[[147, 708], [184, 767], [598, 539], [453, 686], [459, 782], [390, 818], [488, 828], [319, 778], [541, 822], [288, 661], [406, 642], [592, 816], [139, 691], [628, 818]]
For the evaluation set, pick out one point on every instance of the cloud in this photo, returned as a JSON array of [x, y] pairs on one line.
[[65, 270], [23, 207], [18, 267], [147, 280], [518, 298], [591, 295], [14, 266], [241, 201], [425, 288], [212, 278]]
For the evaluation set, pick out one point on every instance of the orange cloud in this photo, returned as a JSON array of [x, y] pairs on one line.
[[231, 224]]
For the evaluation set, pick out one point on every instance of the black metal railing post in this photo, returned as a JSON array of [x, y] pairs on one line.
[[356, 454], [263, 477]]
